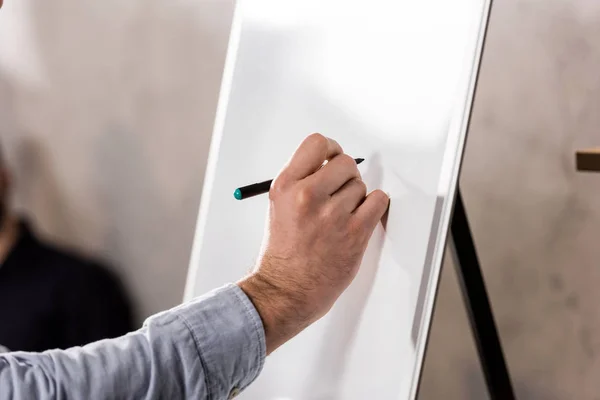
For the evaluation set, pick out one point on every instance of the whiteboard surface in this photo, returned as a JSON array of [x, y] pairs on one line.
[[391, 81]]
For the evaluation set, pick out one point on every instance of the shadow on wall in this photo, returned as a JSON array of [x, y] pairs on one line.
[[110, 147]]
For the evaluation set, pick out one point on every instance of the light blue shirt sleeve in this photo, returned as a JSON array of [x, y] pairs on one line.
[[211, 348]]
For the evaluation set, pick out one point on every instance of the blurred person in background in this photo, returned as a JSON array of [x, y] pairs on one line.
[[49, 297]]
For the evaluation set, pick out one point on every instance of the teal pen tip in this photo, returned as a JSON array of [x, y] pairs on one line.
[[237, 194]]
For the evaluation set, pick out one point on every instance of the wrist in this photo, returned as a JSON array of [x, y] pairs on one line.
[[280, 310]]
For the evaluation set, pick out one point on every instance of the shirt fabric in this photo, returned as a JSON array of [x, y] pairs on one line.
[[51, 298], [209, 349]]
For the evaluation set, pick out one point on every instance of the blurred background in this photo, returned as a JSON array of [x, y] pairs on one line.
[[106, 114]]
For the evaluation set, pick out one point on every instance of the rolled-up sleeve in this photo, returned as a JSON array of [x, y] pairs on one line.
[[211, 348]]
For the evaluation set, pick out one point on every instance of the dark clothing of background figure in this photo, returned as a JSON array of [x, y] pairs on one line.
[[52, 299]]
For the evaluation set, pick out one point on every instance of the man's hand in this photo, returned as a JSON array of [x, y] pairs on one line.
[[320, 222]]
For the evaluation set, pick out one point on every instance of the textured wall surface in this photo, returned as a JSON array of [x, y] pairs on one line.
[[106, 111], [536, 221], [107, 107]]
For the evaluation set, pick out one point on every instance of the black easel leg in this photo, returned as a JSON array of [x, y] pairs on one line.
[[478, 307]]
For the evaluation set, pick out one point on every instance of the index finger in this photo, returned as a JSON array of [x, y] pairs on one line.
[[310, 156]]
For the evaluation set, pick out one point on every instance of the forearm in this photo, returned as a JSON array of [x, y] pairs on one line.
[[204, 349]]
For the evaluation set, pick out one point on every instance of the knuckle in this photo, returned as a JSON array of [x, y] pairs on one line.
[[361, 185], [318, 140], [277, 187], [330, 212], [305, 197]]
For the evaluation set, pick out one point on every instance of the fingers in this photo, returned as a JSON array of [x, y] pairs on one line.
[[370, 212], [341, 169], [350, 196], [310, 156]]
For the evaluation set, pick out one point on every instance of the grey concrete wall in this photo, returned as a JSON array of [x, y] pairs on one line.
[[536, 221], [106, 113], [106, 108]]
